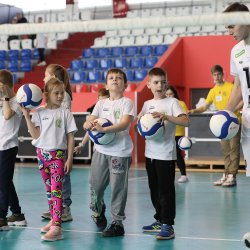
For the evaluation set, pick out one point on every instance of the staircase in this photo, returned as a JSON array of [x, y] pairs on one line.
[[68, 50]]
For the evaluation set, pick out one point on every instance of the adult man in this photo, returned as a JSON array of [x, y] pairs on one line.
[[219, 95]]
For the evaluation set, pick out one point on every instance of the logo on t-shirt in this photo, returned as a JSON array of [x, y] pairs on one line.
[[117, 114], [240, 53], [59, 122]]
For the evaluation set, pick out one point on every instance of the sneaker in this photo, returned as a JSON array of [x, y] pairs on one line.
[[4, 225], [220, 181], [166, 233], [66, 215], [230, 181], [47, 227], [155, 227], [43, 63], [183, 179], [100, 220], [115, 229], [46, 215], [17, 220], [54, 234]]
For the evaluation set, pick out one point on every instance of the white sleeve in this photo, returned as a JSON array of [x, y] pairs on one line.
[[177, 108], [233, 69], [70, 123], [129, 109], [36, 119], [96, 110]]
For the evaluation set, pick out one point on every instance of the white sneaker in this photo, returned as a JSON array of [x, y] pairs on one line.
[[230, 181], [66, 215], [183, 179], [221, 181], [43, 63]]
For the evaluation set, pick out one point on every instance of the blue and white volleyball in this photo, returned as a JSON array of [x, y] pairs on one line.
[[224, 124], [102, 138], [185, 143], [150, 128], [29, 96]]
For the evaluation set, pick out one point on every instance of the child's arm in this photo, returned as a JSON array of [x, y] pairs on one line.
[[78, 149], [121, 126], [69, 162], [181, 120], [34, 131], [89, 123], [8, 93]]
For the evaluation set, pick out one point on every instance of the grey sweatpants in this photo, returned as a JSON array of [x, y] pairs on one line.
[[107, 169]]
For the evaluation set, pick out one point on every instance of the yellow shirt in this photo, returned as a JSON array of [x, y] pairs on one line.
[[180, 130], [219, 95]]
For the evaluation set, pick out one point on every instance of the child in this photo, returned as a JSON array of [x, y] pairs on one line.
[[52, 129], [111, 162], [52, 71], [102, 94], [161, 154], [10, 120], [180, 131]]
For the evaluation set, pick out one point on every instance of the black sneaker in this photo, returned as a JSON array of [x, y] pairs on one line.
[[101, 220], [17, 220], [4, 225], [115, 229]]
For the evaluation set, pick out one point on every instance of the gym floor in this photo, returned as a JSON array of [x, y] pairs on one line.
[[208, 217]]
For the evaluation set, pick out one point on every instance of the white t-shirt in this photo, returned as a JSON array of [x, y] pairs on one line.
[[122, 145], [54, 125], [240, 67], [9, 128], [66, 101], [165, 147]]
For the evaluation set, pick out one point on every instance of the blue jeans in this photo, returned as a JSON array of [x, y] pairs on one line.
[[66, 190]]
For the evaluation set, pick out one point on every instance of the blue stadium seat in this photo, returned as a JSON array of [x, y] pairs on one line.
[[102, 52], [2, 64], [149, 62], [116, 51], [13, 65], [160, 50], [78, 77], [131, 51], [2, 54], [146, 50], [26, 53], [136, 62], [13, 54], [93, 76], [105, 63], [120, 62], [25, 65], [76, 64], [130, 75], [35, 54], [91, 64], [140, 74], [88, 53]]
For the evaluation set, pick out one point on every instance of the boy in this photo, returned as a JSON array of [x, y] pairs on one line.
[[219, 95], [161, 154], [111, 162], [10, 120]]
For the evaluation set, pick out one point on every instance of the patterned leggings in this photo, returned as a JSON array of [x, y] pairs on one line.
[[51, 166]]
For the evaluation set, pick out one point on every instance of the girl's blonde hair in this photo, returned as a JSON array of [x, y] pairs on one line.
[[50, 85], [60, 73]]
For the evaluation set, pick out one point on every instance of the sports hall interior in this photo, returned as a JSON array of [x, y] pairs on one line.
[[207, 217]]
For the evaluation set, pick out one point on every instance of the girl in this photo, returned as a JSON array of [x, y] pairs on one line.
[[58, 71], [180, 131], [52, 129]]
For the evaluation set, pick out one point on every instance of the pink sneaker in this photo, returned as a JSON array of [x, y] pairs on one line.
[[54, 234], [46, 228]]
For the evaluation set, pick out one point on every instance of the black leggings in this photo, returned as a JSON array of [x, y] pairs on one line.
[[180, 159]]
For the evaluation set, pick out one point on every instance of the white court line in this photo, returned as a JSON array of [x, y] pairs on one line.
[[137, 234]]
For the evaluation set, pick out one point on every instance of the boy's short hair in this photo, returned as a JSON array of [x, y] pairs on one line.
[[6, 77], [119, 71], [216, 68], [236, 6], [156, 72], [103, 92]]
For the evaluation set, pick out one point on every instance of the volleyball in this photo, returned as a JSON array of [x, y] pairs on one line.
[[102, 138], [29, 96], [150, 128], [224, 124], [246, 239], [185, 143]]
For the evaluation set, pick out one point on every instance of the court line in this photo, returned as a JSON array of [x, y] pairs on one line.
[[138, 234]]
